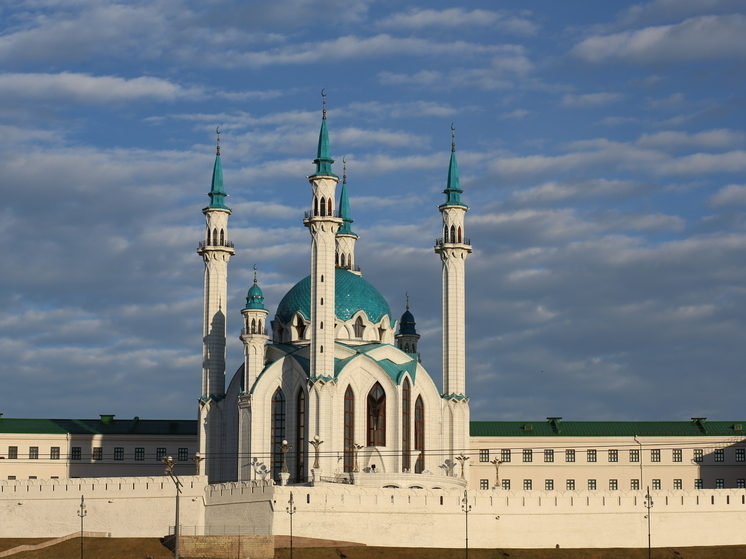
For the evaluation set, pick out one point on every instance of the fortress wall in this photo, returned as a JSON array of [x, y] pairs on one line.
[[122, 507]]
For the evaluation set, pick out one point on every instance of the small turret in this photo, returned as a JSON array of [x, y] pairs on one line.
[[253, 334], [407, 338], [346, 238]]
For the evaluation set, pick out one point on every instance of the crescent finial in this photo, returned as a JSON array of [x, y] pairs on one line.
[[323, 104], [217, 131], [453, 137], [407, 295]]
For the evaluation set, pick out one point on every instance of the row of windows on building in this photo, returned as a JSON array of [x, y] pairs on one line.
[[634, 484], [592, 455], [97, 453]]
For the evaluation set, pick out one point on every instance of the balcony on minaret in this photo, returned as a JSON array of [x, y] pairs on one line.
[[310, 213], [466, 241]]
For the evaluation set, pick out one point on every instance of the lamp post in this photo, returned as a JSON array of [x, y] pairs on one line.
[[648, 505], [82, 513], [197, 458], [291, 511], [466, 507], [169, 471], [285, 448], [355, 450], [316, 442], [497, 463], [462, 460]]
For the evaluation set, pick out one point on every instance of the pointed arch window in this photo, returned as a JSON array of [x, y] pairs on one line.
[[342, 261], [329, 204], [209, 241], [222, 238], [315, 206], [253, 326], [406, 426], [349, 429], [359, 327], [377, 416], [323, 207], [215, 236], [300, 328], [459, 233], [278, 431], [300, 442], [453, 234], [419, 435]]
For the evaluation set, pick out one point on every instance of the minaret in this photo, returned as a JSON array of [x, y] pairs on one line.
[[407, 338], [453, 249], [254, 334], [323, 224], [345, 250], [215, 250]]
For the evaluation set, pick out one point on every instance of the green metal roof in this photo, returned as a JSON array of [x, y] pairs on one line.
[[217, 193], [255, 297], [606, 428], [323, 159], [103, 426], [453, 189], [344, 212], [352, 294]]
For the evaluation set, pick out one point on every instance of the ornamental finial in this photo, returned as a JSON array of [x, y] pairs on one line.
[[344, 170], [407, 296], [254, 274], [217, 131], [453, 137], [323, 104]]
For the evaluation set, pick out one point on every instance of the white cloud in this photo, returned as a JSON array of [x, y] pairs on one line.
[[731, 195], [590, 99], [458, 17], [722, 138], [90, 89], [697, 38], [517, 114]]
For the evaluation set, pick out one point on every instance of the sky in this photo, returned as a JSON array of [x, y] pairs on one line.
[[602, 153]]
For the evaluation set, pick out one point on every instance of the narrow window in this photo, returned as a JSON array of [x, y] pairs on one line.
[[719, 483], [222, 238], [678, 484], [719, 455], [118, 453], [376, 416], [139, 453], [548, 485], [634, 484], [453, 237], [741, 455], [278, 431], [656, 485], [253, 326], [570, 455], [484, 455], [359, 327], [323, 207], [484, 484], [419, 434], [329, 203], [655, 455], [698, 455], [160, 453], [98, 453], [300, 441], [613, 484], [315, 206], [322, 278], [321, 325], [406, 426], [13, 452], [459, 234], [54, 453], [75, 453], [528, 484], [528, 455], [183, 454], [506, 484], [208, 238], [321, 349], [570, 485], [613, 456], [592, 455], [591, 485], [548, 455], [505, 455], [215, 236], [33, 453], [634, 455], [342, 261], [349, 429], [676, 455], [699, 484]]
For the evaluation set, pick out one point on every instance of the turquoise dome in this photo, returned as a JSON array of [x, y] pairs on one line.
[[255, 298], [353, 293], [407, 324]]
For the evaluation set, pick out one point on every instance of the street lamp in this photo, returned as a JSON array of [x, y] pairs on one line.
[[285, 448], [316, 442], [355, 450], [466, 507], [648, 505], [82, 513], [169, 471], [291, 511], [197, 459], [462, 460], [497, 463]]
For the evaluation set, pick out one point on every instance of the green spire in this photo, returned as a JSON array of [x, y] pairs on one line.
[[453, 190], [255, 297], [344, 206], [324, 159], [217, 193]]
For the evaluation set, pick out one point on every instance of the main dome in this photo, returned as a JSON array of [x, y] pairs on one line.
[[352, 294]]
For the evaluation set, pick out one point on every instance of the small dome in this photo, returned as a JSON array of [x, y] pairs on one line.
[[353, 294], [406, 324], [255, 298]]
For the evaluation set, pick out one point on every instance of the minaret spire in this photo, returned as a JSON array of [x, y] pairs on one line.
[[453, 189], [323, 159], [346, 238], [217, 192]]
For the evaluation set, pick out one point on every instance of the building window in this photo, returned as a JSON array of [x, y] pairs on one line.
[[505, 455], [376, 416], [118, 453], [719, 455], [613, 456], [160, 453], [741, 483], [13, 452], [591, 485], [677, 484], [484, 484], [528, 484], [406, 426], [656, 485], [569, 455], [349, 429], [698, 455], [419, 435], [506, 484], [634, 484], [655, 455], [570, 485], [33, 453], [300, 438], [75, 453], [98, 453], [591, 456], [634, 455], [11, 478], [676, 455], [278, 431], [484, 455], [139, 453], [359, 327], [741, 455], [719, 483], [183, 455], [549, 485], [54, 453], [32, 477], [698, 484], [528, 455], [613, 484], [548, 455]]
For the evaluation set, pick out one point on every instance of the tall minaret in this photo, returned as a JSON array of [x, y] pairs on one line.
[[215, 250], [323, 224], [453, 249], [345, 251], [254, 334]]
